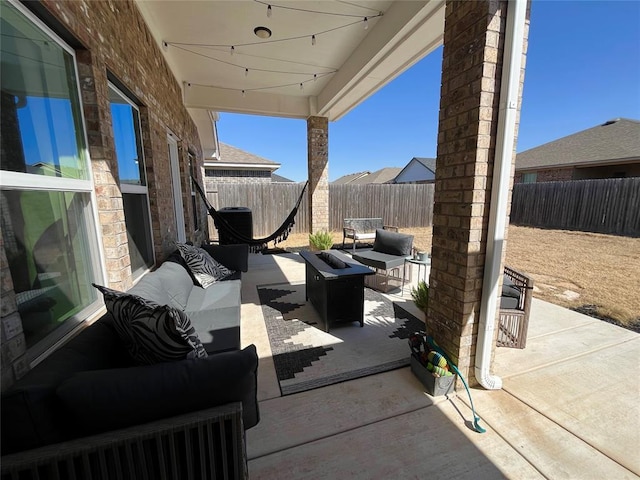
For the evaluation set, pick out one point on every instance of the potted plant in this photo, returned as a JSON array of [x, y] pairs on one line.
[[321, 240], [420, 295]]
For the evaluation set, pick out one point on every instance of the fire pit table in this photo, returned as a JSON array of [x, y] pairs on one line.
[[335, 286]]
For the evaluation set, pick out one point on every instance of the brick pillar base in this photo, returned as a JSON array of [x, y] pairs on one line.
[[318, 167], [471, 76]]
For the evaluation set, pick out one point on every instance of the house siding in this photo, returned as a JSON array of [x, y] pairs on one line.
[[115, 39]]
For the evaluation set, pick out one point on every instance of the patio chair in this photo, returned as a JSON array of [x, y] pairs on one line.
[[515, 306], [390, 249], [362, 229]]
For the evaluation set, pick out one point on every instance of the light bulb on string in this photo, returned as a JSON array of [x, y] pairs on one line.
[[301, 86], [246, 72], [269, 11], [315, 77], [366, 23], [232, 50], [243, 94], [313, 39]]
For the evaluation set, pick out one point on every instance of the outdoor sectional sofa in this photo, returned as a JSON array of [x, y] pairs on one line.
[[88, 411]]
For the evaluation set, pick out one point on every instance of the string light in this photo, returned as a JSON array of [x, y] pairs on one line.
[[265, 42], [287, 72], [269, 87], [244, 94], [270, 8], [319, 12]]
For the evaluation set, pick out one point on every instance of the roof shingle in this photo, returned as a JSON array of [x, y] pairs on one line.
[[614, 141]]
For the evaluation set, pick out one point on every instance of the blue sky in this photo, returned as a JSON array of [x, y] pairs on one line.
[[583, 68]]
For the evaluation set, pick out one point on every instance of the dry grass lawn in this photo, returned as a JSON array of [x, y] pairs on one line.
[[599, 273]]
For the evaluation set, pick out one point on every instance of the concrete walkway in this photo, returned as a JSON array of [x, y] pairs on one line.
[[569, 408]]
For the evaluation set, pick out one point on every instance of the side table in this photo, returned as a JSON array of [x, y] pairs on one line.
[[420, 263]]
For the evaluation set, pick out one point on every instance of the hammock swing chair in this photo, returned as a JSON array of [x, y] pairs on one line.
[[256, 245]]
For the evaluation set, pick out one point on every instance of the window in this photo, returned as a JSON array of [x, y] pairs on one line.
[[529, 177], [47, 215], [133, 182]]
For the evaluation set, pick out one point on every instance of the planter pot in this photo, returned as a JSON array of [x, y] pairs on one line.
[[436, 386]]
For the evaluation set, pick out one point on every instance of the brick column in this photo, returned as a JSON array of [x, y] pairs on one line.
[[318, 168], [471, 76]]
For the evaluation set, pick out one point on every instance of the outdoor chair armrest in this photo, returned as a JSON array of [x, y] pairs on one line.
[[390, 227], [350, 230], [522, 282], [216, 432], [234, 256]]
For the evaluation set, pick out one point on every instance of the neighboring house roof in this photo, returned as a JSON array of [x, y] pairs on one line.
[[280, 179], [384, 175], [615, 141], [419, 169], [235, 158], [349, 178], [429, 163]]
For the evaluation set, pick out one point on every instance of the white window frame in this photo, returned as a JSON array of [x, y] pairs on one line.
[[27, 181], [138, 189]]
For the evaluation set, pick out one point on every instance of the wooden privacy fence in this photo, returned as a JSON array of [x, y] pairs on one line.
[[402, 205], [604, 206], [270, 203]]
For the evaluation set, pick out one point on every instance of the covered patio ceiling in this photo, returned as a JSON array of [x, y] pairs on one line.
[[291, 73]]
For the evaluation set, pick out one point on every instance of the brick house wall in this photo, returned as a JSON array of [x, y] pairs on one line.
[[112, 37], [237, 176], [572, 173], [549, 175]]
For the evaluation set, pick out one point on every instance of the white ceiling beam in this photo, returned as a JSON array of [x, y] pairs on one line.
[[254, 102], [406, 33]]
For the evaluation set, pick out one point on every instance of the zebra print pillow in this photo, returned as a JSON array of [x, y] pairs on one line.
[[203, 266], [152, 333]]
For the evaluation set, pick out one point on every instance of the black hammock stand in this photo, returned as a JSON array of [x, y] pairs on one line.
[[256, 245]]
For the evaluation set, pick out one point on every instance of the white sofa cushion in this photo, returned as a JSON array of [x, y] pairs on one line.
[[169, 285]]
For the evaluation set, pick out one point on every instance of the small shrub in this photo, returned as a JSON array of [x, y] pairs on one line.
[[420, 295], [321, 240]]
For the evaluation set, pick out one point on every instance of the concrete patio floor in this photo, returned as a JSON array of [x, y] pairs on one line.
[[569, 408]]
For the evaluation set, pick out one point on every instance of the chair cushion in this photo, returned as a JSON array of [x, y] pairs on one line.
[[103, 400], [31, 413], [215, 315], [168, 285], [203, 266], [392, 243], [152, 333], [510, 298], [382, 261]]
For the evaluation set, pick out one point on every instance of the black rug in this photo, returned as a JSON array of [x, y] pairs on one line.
[[307, 357]]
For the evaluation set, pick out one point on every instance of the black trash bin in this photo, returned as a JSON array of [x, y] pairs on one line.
[[240, 219]]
